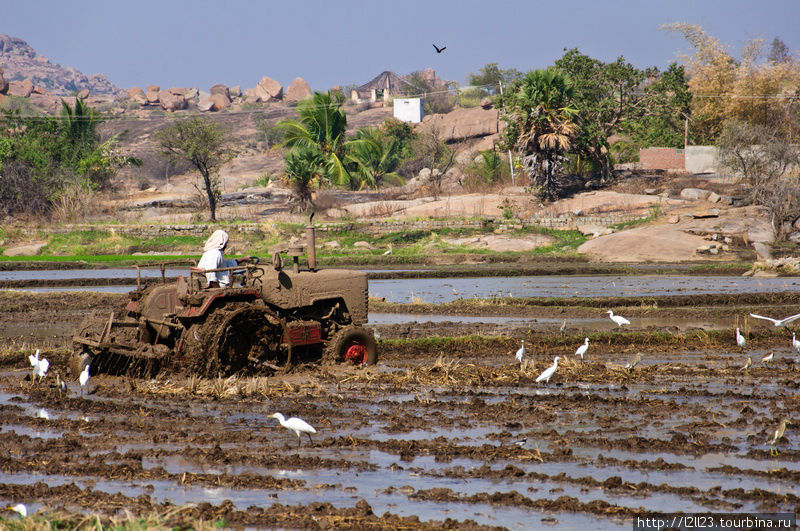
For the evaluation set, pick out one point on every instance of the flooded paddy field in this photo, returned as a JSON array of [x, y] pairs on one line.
[[448, 430]]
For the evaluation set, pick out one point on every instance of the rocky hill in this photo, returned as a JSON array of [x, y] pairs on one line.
[[19, 62]]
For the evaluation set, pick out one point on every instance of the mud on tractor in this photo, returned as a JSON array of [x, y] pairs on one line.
[[268, 318]]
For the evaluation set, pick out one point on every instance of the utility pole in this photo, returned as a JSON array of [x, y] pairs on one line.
[[510, 156]]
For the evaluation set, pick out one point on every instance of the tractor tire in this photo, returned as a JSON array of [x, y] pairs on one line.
[[232, 339], [352, 343]]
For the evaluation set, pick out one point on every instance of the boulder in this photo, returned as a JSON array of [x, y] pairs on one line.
[[46, 102], [204, 103], [171, 102], [39, 90], [362, 245], [137, 95], [424, 174], [30, 249], [269, 90], [333, 244], [695, 194], [762, 250], [19, 88], [3, 82], [298, 90], [462, 124], [152, 96], [794, 237], [486, 103], [594, 230], [178, 91], [236, 92], [153, 88], [191, 94], [83, 94], [220, 101], [219, 88], [251, 96], [714, 198]]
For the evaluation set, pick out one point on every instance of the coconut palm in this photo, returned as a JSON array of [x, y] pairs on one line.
[[304, 165], [373, 158], [541, 123], [321, 126]]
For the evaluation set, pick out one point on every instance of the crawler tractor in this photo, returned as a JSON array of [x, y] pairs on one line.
[[268, 318]]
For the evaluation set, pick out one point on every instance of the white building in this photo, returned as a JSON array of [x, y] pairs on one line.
[[410, 110]]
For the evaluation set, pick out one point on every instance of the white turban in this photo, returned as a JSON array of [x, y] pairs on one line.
[[216, 241]]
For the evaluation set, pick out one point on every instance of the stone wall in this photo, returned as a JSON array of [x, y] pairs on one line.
[[566, 222], [657, 158]]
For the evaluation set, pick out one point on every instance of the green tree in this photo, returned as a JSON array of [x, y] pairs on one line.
[[540, 113], [304, 167], [43, 158], [608, 95], [205, 146], [321, 126], [668, 104], [491, 75], [374, 158]]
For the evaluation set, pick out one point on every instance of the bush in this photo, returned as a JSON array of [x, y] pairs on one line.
[[267, 133], [491, 169]]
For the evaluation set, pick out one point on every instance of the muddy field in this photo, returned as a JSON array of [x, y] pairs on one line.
[[428, 437]]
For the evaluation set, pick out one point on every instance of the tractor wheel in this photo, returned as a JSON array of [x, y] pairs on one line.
[[354, 344], [232, 338]]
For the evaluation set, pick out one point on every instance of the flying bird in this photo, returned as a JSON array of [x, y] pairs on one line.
[[440, 50], [521, 352], [84, 378], [549, 372], [618, 319], [740, 339], [19, 509], [778, 322], [583, 348], [296, 425]]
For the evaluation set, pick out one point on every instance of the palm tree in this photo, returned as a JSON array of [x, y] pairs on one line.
[[374, 158], [304, 166], [322, 126], [540, 125]]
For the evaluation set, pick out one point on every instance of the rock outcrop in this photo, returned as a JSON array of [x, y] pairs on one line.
[[297, 90], [137, 95], [463, 123], [21, 62], [219, 88], [171, 102], [220, 101], [268, 90], [3, 82]]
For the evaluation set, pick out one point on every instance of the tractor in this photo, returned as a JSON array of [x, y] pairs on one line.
[[269, 318]]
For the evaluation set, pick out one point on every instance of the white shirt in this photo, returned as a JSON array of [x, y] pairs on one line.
[[213, 259]]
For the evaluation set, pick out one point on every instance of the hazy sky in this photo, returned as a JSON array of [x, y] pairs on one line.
[[200, 43]]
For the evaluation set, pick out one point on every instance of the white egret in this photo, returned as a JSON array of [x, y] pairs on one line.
[[779, 431], [388, 251], [521, 352], [778, 322], [583, 348], [42, 414], [767, 358], [34, 359], [747, 364], [795, 343], [740, 340], [84, 378], [618, 319], [19, 509], [41, 369], [549, 372], [296, 425]]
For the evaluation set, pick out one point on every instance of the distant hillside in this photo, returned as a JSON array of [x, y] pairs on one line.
[[19, 62]]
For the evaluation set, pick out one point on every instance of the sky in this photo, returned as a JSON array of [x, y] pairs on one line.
[[342, 42]]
